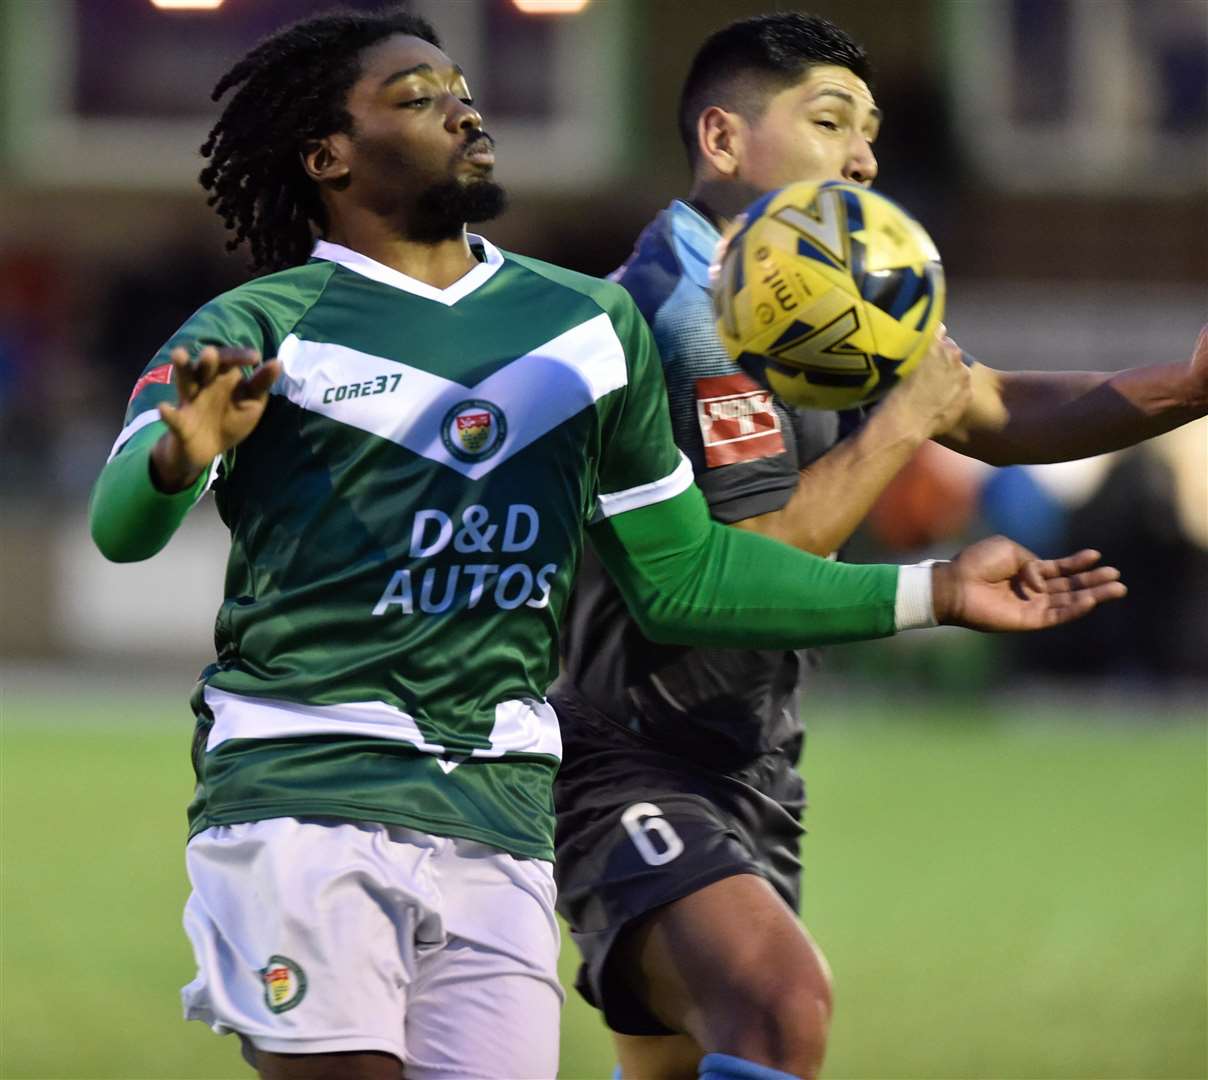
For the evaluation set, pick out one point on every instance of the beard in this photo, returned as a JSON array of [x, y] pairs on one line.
[[444, 209]]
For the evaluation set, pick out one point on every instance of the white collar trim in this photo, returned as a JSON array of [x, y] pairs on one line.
[[367, 267]]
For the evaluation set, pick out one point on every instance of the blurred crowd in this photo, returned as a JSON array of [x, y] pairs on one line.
[[1145, 508]]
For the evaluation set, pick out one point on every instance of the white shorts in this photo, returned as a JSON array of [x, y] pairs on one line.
[[316, 936]]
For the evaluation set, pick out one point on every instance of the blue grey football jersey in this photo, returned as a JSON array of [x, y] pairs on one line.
[[720, 707]]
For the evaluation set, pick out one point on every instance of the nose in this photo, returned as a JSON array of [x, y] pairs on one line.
[[461, 117], [861, 166]]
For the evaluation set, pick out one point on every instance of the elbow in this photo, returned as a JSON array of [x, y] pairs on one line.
[[104, 539], [664, 634], [816, 538], [113, 546], [657, 622], [997, 457], [656, 628], [108, 545], [104, 536], [1002, 452], [988, 448]]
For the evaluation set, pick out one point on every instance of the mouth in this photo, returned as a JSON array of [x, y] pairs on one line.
[[480, 152]]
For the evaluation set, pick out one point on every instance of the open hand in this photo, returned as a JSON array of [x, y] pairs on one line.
[[217, 408], [996, 584]]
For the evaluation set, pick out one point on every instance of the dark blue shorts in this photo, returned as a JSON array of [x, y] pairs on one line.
[[639, 827]]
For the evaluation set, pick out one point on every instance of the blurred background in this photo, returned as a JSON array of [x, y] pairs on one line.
[[1053, 786]]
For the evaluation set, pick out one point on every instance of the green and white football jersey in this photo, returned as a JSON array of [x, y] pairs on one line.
[[405, 522]]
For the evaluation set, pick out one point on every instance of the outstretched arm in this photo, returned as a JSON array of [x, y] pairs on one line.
[[691, 581], [144, 492], [1031, 417], [834, 493]]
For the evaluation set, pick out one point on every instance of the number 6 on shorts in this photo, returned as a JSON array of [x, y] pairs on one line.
[[643, 821]]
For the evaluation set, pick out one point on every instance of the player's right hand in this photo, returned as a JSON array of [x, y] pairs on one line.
[[218, 405], [938, 392]]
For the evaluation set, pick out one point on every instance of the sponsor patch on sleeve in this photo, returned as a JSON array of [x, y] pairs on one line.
[[161, 374], [737, 420]]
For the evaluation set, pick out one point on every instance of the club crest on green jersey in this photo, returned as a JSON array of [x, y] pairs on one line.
[[284, 983], [473, 430]]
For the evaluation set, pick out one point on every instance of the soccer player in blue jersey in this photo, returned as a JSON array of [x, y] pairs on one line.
[[679, 802]]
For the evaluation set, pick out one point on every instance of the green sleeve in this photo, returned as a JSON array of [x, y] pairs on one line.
[[689, 580], [130, 518]]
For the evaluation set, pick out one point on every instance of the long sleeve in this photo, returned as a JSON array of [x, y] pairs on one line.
[[129, 517], [692, 581]]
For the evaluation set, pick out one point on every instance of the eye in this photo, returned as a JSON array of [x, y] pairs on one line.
[[830, 125], [415, 103]]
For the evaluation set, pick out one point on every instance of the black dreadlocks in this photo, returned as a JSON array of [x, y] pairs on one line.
[[292, 87]]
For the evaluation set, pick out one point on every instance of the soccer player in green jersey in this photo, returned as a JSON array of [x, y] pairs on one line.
[[408, 483], [679, 800]]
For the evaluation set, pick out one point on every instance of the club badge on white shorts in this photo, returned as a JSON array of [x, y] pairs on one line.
[[284, 983]]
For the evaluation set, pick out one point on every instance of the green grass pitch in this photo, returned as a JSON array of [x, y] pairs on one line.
[[999, 896]]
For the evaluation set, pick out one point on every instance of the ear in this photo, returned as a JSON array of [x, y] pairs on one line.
[[326, 160], [719, 135]]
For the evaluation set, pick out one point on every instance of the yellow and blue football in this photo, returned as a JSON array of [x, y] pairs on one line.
[[827, 293]]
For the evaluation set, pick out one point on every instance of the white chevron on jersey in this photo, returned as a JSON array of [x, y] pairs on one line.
[[536, 392]]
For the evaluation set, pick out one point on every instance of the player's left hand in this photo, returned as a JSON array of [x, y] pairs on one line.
[[997, 584]]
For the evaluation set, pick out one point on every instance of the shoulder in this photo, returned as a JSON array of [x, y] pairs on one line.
[[279, 298], [654, 271], [603, 292], [261, 312], [610, 297]]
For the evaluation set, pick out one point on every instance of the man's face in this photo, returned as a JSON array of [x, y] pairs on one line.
[[822, 128], [417, 151]]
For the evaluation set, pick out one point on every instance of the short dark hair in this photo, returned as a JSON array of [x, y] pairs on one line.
[[293, 86], [741, 65]]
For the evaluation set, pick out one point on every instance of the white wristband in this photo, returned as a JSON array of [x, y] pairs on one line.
[[913, 607]]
